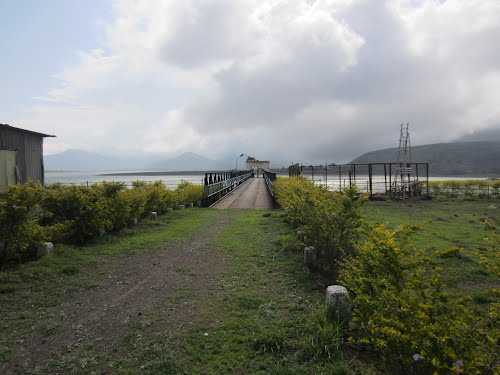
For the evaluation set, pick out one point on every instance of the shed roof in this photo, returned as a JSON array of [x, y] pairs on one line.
[[5, 126]]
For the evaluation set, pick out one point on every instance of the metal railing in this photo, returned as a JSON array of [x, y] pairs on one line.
[[218, 184], [269, 178], [394, 180]]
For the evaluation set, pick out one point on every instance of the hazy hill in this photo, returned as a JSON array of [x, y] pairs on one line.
[[448, 159], [79, 160], [187, 161]]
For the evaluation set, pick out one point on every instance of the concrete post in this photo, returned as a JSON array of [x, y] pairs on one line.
[[44, 248], [338, 304]]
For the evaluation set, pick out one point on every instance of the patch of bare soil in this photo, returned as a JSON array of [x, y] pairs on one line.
[[170, 280]]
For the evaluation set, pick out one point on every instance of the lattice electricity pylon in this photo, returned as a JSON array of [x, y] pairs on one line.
[[405, 183], [404, 151]]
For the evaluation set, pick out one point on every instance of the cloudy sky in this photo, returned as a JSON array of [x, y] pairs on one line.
[[300, 80]]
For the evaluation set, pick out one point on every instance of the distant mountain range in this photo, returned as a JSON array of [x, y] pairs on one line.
[[79, 160], [448, 159], [186, 162], [476, 154]]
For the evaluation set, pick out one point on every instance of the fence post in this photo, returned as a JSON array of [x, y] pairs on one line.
[[385, 178], [370, 179], [427, 178], [390, 180], [326, 175], [340, 178]]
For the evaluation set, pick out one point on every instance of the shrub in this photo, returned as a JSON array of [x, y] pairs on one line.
[[76, 214], [403, 313], [20, 231], [331, 222], [158, 198], [400, 309], [82, 210], [117, 210], [189, 193], [135, 198], [295, 195]]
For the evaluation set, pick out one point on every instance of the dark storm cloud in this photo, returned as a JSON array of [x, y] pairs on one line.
[[284, 79], [370, 70]]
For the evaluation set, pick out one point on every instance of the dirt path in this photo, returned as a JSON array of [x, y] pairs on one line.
[[253, 194], [166, 283]]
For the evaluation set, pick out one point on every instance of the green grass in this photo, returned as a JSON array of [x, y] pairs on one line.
[[267, 318], [265, 315], [462, 238], [27, 291]]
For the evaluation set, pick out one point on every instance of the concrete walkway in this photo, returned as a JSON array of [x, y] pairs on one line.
[[252, 194]]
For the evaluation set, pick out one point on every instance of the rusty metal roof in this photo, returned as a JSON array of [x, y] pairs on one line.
[[9, 127]]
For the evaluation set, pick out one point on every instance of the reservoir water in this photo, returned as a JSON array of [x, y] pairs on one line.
[[91, 177], [172, 179]]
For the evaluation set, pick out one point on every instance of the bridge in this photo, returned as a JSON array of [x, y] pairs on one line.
[[238, 189]]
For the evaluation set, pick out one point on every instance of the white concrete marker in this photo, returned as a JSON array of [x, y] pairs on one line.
[[338, 304]]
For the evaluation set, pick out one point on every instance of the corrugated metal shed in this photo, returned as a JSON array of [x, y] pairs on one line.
[[26, 148]]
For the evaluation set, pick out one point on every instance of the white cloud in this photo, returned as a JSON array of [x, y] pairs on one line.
[[301, 80]]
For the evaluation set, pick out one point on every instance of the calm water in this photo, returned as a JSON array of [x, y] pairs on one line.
[[82, 178], [378, 182]]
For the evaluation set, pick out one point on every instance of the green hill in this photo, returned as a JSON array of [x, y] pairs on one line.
[[448, 159]]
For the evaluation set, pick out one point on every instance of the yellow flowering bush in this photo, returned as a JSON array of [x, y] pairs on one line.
[[402, 311], [330, 221]]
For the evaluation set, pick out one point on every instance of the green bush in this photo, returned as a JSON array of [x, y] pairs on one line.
[[188, 193], [331, 222], [135, 198], [295, 195], [403, 313], [20, 231], [158, 198], [31, 213], [82, 210], [117, 209]]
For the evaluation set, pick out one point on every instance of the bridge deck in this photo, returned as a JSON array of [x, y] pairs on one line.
[[251, 194]]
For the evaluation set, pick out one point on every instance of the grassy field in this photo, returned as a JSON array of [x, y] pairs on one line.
[[268, 318], [460, 237], [257, 312]]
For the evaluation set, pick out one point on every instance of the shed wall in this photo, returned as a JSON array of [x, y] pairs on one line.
[[29, 149]]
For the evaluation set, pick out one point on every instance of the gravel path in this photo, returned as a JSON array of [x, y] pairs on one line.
[[165, 283], [252, 194]]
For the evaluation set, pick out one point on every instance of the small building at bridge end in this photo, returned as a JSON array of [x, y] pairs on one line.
[[257, 166]]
